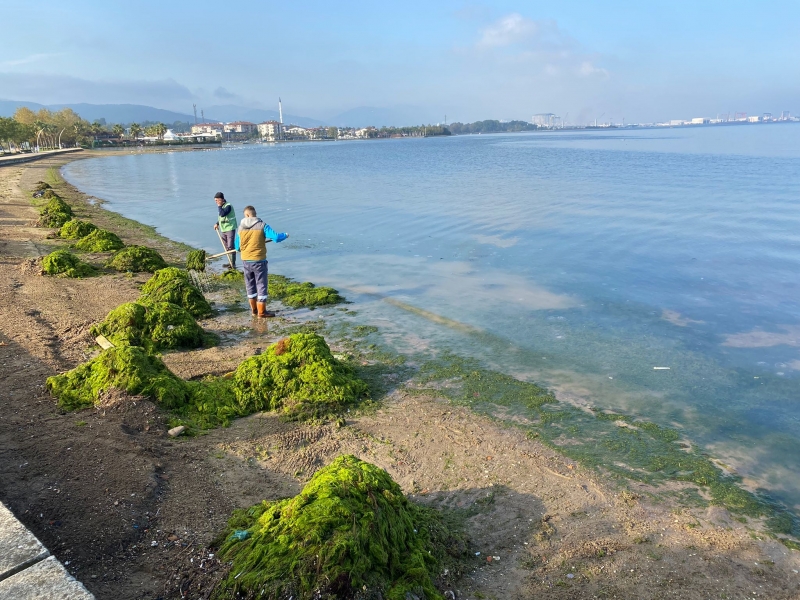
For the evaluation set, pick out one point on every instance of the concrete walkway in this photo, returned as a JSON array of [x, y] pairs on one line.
[[15, 159], [28, 571]]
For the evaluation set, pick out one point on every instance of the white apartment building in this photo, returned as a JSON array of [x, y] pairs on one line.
[[269, 130]]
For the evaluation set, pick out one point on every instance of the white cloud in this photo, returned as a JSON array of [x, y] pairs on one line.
[[508, 30], [587, 69], [26, 61]]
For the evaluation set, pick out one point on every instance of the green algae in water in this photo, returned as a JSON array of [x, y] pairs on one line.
[[196, 260], [66, 264], [618, 444], [157, 325], [230, 276], [300, 377], [128, 368], [298, 295], [175, 286], [75, 229], [137, 259], [350, 533], [100, 240]]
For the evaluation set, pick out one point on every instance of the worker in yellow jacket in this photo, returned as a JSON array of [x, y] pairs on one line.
[[251, 242]]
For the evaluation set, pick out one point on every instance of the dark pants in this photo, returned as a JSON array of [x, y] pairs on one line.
[[255, 279], [228, 239]]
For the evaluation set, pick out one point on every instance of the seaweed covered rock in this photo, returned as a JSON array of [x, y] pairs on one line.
[[175, 286], [297, 295], [62, 262], [55, 213], [128, 368], [196, 260], [136, 259], [157, 325], [350, 533], [100, 240], [299, 376], [230, 276], [75, 229], [41, 186]]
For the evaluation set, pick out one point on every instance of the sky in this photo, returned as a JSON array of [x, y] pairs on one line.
[[582, 60]]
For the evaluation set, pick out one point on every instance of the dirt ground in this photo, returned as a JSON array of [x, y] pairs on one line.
[[131, 512]]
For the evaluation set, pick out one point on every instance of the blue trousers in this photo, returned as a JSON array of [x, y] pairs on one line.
[[255, 279]]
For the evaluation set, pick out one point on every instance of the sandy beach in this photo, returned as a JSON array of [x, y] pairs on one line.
[[131, 512]]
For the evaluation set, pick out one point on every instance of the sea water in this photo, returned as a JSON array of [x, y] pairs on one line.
[[581, 260]]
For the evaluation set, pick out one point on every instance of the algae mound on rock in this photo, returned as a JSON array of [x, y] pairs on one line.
[[55, 213], [196, 260], [299, 376], [174, 285], [41, 186], [350, 533], [306, 294], [75, 229], [62, 262], [128, 368], [157, 325], [100, 240], [135, 259]]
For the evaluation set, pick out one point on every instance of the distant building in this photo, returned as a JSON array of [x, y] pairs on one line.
[[753, 119], [296, 132], [544, 119], [675, 122], [240, 127], [208, 128], [269, 130], [700, 121]]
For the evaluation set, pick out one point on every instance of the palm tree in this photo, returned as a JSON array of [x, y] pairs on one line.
[[118, 130], [160, 129], [136, 129]]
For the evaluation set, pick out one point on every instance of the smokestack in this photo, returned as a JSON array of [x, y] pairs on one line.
[[280, 111]]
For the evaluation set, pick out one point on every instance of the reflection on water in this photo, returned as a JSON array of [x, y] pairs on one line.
[[579, 260]]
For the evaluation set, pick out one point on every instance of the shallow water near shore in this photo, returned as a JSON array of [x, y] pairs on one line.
[[580, 260]]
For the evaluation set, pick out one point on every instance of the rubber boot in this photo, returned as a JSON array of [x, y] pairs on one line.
[[263, 313], [253, 306]]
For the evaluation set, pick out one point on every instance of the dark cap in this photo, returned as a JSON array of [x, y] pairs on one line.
[[219, 195]]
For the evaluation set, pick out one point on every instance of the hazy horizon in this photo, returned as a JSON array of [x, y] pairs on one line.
[[493, 60]]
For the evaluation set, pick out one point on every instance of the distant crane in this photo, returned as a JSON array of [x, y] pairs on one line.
[[600, 117]]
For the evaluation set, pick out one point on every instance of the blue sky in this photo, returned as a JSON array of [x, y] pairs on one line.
[[643, 61]]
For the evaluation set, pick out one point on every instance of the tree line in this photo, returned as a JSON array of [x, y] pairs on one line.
[[491, 126], [45, 129]]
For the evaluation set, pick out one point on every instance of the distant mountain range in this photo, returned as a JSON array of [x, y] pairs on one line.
[[137, 113], [362, 116]]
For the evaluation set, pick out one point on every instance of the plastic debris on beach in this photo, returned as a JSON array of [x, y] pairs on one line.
[[137, 259], [100, 240], [75, 229], [66, 264], [176, 286], [349, 533], [301, 295]]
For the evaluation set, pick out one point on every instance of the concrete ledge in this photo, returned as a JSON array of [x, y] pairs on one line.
[[46, 580], [16, 159], [27, 570]]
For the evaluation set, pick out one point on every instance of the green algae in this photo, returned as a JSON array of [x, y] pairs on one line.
[[298, 376], [298, 295], [55, 213], [618, 445], [128, 368], [75, 229], [196, 260], [174, 285], [350, 533], [230, 276], [41, 186], [157, 325], [100, 240], [137, 259], [66, 264]]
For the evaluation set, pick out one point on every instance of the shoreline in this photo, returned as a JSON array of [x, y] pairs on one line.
[[566, 519]]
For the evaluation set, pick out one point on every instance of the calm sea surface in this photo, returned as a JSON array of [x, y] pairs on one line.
[[580, 260]]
